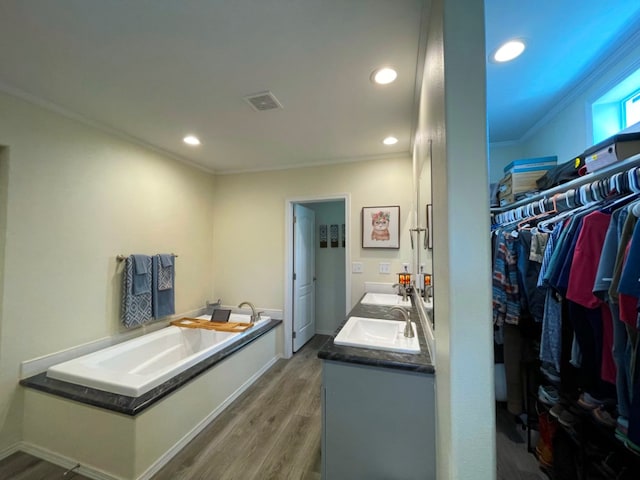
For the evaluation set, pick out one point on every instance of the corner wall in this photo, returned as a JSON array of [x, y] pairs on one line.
[[77, 198], [453, 116]]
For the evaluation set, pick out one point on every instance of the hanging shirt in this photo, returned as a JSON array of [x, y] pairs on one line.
[[607, 261], [548, 253], [628, 303], [630, 276], [625, 238], [506, 295], [586, 258]]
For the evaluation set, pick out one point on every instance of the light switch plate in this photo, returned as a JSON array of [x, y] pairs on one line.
[[385, 267], [356, 267]]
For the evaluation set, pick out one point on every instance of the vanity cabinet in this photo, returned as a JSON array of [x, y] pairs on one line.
[[378, 423]]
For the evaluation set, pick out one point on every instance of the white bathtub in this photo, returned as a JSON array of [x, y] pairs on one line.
[[136, 366]]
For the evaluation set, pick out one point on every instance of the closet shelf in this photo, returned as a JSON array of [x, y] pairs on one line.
[[617, 167]]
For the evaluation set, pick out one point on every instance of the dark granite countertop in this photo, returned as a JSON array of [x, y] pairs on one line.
[[418, 363], [135, 405]]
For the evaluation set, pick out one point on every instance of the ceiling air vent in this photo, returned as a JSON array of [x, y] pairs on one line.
[[263, 101]]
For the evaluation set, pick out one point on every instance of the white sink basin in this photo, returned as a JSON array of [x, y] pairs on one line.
[[377, 334], [389, 299]]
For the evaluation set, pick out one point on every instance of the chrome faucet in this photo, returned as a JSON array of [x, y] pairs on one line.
[[402, 290], [408, 329], [428, 292], [255, 316]]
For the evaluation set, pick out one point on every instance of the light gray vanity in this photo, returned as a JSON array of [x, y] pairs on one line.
[[378, 409]]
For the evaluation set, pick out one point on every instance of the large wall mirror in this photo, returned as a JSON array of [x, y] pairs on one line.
[[423, 234]]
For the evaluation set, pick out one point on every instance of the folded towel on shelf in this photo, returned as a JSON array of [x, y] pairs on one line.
[[136, 307], [141, 274], [163, 281]]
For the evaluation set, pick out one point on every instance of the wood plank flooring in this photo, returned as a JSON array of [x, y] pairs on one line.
[[273, 431], [514, 462], [22, 466]]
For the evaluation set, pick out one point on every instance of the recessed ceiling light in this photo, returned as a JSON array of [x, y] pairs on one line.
[[508, 51], [390, 141], [191, 140], [384, 75]]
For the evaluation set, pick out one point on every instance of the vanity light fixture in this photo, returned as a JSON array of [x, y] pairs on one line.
[[384, 75], [390, 140], [508, 51], [404, 278], [191, 140]]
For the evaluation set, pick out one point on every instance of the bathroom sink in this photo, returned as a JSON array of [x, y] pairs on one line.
[[377, 334], [388, 299]]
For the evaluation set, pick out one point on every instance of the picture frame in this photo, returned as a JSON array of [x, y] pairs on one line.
[[429, 232], [381, 227]]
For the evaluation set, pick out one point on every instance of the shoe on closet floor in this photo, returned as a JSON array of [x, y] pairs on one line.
[[548, 395], [588, 402], [603, 417], [550, 372], [557, 410], [632, 446], [567, 419], [622, 428]]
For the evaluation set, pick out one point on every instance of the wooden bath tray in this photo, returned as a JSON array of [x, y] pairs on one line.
[[208, 325]]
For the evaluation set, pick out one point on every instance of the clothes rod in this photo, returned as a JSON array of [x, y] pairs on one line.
[[612, 169], [121, 257]]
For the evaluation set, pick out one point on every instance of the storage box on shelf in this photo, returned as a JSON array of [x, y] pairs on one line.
[[611, 150], [521, 175], [531, 164]]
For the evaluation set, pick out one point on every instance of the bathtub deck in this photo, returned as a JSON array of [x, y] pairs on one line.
[[136, 405]]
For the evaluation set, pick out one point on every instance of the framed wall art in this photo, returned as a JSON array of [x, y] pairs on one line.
[[381, 227]]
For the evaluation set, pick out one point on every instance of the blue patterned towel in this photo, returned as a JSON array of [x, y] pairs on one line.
[[136, 308], [165, 272], [163, 286], [141, 274]]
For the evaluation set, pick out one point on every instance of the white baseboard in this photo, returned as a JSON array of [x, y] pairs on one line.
[[96, 474], [10, 450], [325, 332], [66, 462]]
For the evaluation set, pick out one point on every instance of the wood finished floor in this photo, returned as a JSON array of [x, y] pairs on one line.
[[22, 466], [272, 431], [514, 462]]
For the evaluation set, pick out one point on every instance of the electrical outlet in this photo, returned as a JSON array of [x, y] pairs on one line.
[[385, 267], [356, 267], [406, 268]]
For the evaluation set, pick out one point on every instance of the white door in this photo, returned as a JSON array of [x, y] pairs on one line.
[[304, 276]]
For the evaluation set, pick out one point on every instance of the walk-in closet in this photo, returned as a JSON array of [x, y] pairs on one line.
[[566, 290]]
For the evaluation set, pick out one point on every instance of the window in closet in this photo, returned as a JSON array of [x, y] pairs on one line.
[[617, 109], [631, 109]]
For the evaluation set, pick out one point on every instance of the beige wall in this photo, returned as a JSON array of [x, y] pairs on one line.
[[249, 213], [452, 115], [76, 199]]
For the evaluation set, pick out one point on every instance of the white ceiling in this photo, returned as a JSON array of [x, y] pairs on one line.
[[155, 70]]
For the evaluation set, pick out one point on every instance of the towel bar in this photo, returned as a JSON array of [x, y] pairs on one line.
[[121, 257]]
